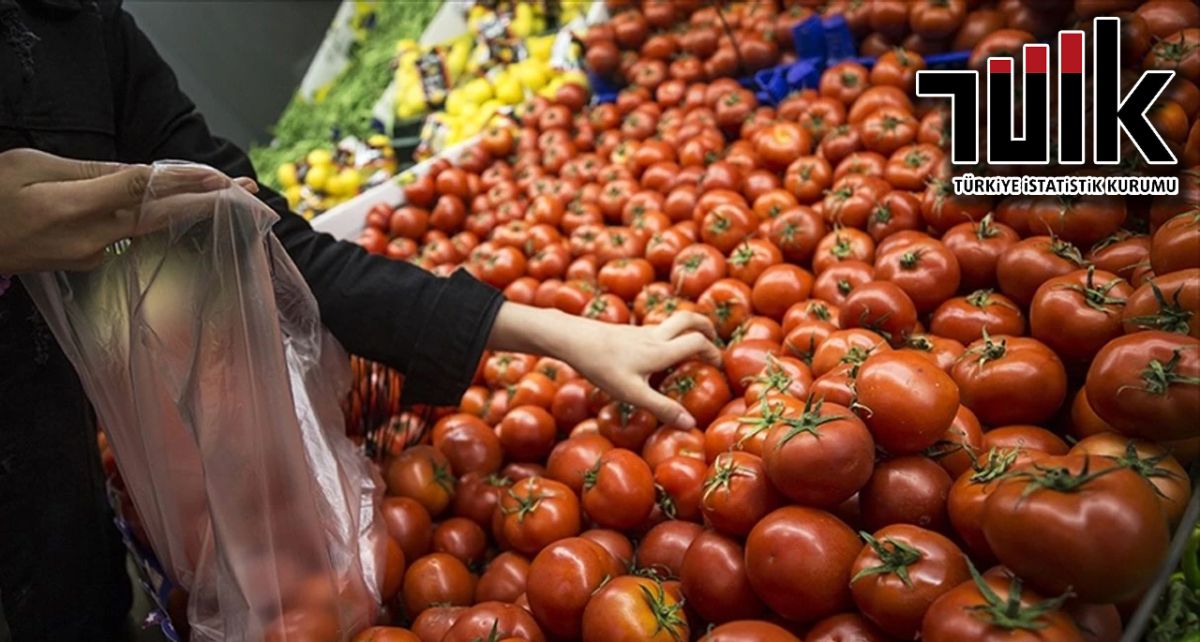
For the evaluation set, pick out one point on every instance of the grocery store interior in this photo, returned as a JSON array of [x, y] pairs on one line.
[[600, 320]]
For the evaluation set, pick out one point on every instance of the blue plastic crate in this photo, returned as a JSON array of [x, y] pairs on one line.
[[777, 83], [808, 39], [839, 42]]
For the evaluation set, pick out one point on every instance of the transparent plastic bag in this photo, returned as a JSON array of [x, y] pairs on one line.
[[201, 348]]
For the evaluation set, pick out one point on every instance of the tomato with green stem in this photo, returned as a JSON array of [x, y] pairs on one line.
[[625, 425], [923, 267], [572, 458], [957, 449], [1176, 243], [845, 244], [838, 143], [696, 268], [798, 561], [1169, 302], [1148, 459], [1082, 221], [750, 258], [618, 492], [1067, 500], [478, 495], [437, 579], [781, 375], [1025, 266], [907, 402], [797, 232], [422, 473], [887, 129], [895, 211], [900, 572], [911, 166], [851, 199], [845, 346], [942, 209], [994, 608], [535, 512], [861, 162], [1010, 380], [681, 481], [1179, 52], [804, 339], [660, 552], [713, 573], [880, 306], [1147, 385], [837, 282], [1078, 313], [941, 351], [736, 493], [845, 82], [634, 608], [978, 247], [727, 304], [965, 502], [966, 318], [821, 457], [807, 178], [1030, 441], [494, 622]]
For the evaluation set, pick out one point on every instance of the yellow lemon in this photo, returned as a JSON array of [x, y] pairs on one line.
[[317, 176], [286, 175], [292, 193], [334, 185], [378, 140], [477, 91], [351, 181], [319, 157], [532, 76], [454, 102], [508, 90]]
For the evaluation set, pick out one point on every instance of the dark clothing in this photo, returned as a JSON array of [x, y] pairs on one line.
[[91, 86]]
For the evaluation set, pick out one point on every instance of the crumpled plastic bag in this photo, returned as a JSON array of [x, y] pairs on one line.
[[201, 348]]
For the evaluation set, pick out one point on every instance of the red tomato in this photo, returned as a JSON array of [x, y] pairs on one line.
[[798, 561], [1065, 499], [923, 267], [845, 244], [1153, 462], [422, 473], [1078, 313], [895, 211], [906, 490], [527, 433], [978, 247], [737, 493], [901, 571], [535, 513], [880, 306], [478, 496], [749, 631], [965, 503], [778, 287], [700, 388], [409, 524], [437, 579], [469, 444], [838, 281], [1176, 244], [681, 479], [662, 549], [1170, 303], [696, 268], [634, 608], [494, 621], [462, 538], [1024, 438], [796, 232], [572, 458], [562, 579], [1010, 380], [1025, 266], [909, 402], [1147, 385], [985, 609], [826, 433], [967, 318], [618, 492], [713, 573], [727, 304]]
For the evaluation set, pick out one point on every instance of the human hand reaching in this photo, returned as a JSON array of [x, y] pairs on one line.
[[61, 214], [617, 358]]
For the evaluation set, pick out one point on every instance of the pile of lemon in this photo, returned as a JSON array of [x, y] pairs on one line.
[[324, 179], [479, 85]]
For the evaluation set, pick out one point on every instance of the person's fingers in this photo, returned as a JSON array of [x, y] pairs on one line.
[[668, 411], [681, 322], [248, 184], [691, 346]]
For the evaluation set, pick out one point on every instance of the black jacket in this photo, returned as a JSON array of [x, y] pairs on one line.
[[79, 79]]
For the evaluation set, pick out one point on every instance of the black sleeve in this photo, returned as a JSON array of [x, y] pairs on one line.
[[431, 329]]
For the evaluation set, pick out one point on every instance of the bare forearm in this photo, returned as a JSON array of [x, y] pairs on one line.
[[523, 328]]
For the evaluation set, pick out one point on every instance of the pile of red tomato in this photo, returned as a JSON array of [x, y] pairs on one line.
[[937, 416]]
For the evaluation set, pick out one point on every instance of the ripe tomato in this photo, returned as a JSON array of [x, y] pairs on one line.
[[422, 473], [494, 621], [527, 433], [1077, 313], [967, 318], [895, 211], [942, 209], [749, 631], [409, 524], [978, 247], [1010, 380], [837, 282], [924, 268], [846, 244], [461, 538], [1120, 253], [1025, 266], [1066, 499], [962, 442], [1176, 244], [909, 402], [1177, 52], [749, 259], [700, 388], [906, 490], [796, 232], [681, 479], [993, 608], [1024, 439], [778, 287], [618, 492], [572, 458], [634, 608], [965, 503], [737, 493], [887, 129], [386, 634], [1170, 303], [826, 433], [1147, 385], [779, 143], [437, 579], [1153, 462], [900, 572], [844, 82], [846, 626], [780, 375], [880, 306], [469, 444], [662, 549], [897, 68], [838, 143], [478, 496], [798, 561], [807, 178], [851, 199], [534, 513], [727, 304], [846, 346], [696, 268], [561, 580], [713, 574]]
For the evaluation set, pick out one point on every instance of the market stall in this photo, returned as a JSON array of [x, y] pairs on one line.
[[936, 415]]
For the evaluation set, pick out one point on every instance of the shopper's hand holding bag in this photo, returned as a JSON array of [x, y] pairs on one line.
[[202, 350]]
